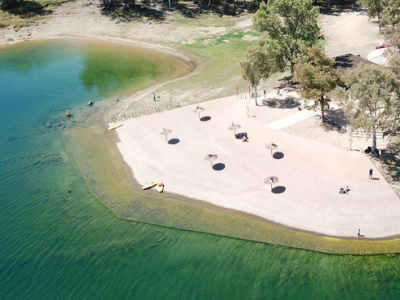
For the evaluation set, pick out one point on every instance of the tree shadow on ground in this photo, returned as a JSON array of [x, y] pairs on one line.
[[338, 118], [335, 120], [288, 103], [287, 84], [26, 9], [339, 6], [390, 160], [158, 11], [133, 13]]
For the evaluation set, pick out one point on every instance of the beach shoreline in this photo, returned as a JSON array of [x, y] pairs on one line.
[[137, 150], [122, 195], [113, 112]]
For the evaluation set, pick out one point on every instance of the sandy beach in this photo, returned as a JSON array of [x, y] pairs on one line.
[[310, 173]]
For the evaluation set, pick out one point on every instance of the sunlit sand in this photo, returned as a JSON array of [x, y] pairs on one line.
[[310, 173]]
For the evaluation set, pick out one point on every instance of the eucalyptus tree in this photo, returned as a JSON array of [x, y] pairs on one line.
[[371, 98], [391, 13], [375, 9], [317, 78], [257, 66], [290, 26]]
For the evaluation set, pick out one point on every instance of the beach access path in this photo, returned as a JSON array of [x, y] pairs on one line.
[[310, 173]]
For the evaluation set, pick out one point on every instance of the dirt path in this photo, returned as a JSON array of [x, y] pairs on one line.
[[349, 32]]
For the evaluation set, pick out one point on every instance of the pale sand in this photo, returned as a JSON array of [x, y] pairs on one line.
[[310, 172]]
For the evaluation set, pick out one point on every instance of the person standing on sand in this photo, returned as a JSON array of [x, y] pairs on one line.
[[154, 97], [370, 173]]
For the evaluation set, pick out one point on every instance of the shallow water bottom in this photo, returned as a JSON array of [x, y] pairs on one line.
[[110, 180]]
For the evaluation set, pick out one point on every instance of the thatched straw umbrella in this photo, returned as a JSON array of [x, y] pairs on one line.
[[211, 157], [198, 110], [234, 127], [165, 132], [270, 180], [271, 146]]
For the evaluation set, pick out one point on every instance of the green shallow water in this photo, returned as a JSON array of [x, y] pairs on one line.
[[58, 242]]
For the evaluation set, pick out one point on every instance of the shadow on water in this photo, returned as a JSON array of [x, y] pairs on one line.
[[278, 155], [278, 190], [205, 119], [218, 167], [173, 141]]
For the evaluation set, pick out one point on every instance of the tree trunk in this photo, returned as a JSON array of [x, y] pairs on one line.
[[322, 104], [291, 68], [255, 94], [244, 3], [374, 139], [379, 23], [169, 4]]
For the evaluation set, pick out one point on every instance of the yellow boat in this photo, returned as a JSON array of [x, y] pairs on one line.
[[160, 187], [112, 127], [149, 185]]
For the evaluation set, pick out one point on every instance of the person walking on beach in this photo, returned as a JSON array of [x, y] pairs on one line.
[[370, 173], [154, 97]]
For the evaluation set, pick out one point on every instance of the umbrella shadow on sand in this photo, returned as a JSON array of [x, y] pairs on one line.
[[205, 119], [218, 167], [278, 189], [173, 141], [278, 155]]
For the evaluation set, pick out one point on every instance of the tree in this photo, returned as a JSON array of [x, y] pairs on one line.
[[391, 13], [317, 78], [371, 98], [290, 25], [9, 4], [375, 9], [257, 66]]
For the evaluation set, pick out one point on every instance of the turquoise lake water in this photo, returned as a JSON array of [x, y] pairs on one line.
[[58, 242]]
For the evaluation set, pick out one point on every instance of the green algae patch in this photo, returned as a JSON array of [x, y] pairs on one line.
[[110, 180]]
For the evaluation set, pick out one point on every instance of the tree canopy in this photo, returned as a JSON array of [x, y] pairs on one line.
[[290, 26], [387, 11], [258, 65], [371, 98], [317, 78]]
